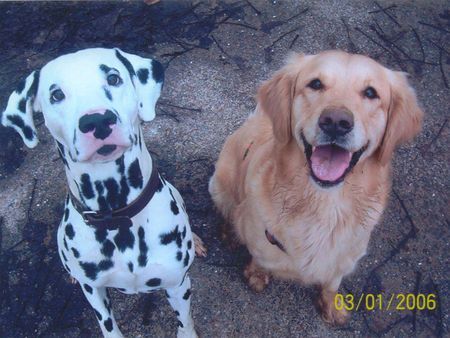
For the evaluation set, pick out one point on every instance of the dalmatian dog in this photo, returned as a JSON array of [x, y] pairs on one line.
[[124, 226]]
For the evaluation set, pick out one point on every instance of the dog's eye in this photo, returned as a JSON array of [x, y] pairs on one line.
[[370, 93], [114, 80], [57, 96], [315, 84]]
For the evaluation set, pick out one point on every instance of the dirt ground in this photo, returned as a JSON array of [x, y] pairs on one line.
[[216, 53]]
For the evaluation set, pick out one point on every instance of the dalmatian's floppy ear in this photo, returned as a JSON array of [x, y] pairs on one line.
[[19, 111], [148, 78]]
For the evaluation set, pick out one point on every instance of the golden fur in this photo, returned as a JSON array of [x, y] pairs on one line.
[[262, 179]]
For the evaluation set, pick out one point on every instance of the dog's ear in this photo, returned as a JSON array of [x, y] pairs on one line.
[[19, 110], [404, 119], [275, 97], [147, 76]]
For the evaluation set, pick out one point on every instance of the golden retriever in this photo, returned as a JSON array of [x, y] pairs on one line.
[[306, 178]]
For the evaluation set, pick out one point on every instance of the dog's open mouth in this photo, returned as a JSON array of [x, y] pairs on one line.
[[330, 163]]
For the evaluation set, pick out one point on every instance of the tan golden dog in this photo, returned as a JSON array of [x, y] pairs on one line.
[[306, 178]]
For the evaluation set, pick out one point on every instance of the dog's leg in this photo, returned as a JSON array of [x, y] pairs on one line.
[[257, 278], [330, 311], [180, 300], [101, 303]]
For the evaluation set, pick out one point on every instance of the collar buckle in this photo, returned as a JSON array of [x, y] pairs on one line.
[[107, 221]]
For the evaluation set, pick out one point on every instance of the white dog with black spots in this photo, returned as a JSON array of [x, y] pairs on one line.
[[93, 102]]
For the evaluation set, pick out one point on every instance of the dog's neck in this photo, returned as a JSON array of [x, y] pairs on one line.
[[110, 185]]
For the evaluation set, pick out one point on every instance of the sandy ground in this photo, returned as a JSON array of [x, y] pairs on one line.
[[216, 54]]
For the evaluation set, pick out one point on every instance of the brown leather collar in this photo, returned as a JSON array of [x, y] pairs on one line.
[[274, 241], [120, 217]]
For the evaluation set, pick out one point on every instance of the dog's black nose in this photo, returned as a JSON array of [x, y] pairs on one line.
[[99, 123], [336, 122]]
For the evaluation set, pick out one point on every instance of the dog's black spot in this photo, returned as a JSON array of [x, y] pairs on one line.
[[105, 264], [101, 200], [63, 256], [187, 294], [130, 266], [124, 239], [18, 121], [106, 303], [67, 268], [140, 140], [66, 214], [180, 324], [140, 104], [174, 207], [154, 282], [105, 69], [99, 187], [98, 315], [112, 194], [166, 293], [86, 186], [170, 236], [34, 85], [76, 254], [108, 248], [62, 155], [143, 249], [157, 71], [179, 240], [108, 94], [177, 313], [100, 235], [20, 86], [189, 244], [127, 64], [183, 234], [69, 231], [160, 185], [173, 204], [108, 325], [186, 259], [135, 175], [179, 255], [88, 288], [142, 74], [121, 164], [65, 243], [90, 270], [124, 191], [22, 106]]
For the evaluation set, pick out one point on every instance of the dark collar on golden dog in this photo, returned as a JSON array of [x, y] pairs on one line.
[[272, 240]]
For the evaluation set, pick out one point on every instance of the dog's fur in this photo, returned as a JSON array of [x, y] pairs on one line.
[[93, 103], [263, 179]]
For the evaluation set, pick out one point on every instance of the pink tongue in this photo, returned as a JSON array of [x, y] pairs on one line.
[[330, 162]]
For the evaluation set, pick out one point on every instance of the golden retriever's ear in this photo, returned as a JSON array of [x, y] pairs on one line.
[[275, 99], [404, 117]]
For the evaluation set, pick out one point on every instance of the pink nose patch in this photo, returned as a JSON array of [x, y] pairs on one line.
[[330, 162]]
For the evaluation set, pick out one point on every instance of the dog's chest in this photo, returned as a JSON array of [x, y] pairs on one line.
[[154, 253]]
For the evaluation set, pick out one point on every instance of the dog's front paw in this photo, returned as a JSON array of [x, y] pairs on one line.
[[183, 333], [256, 278], [330, 312], [200, 248]]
